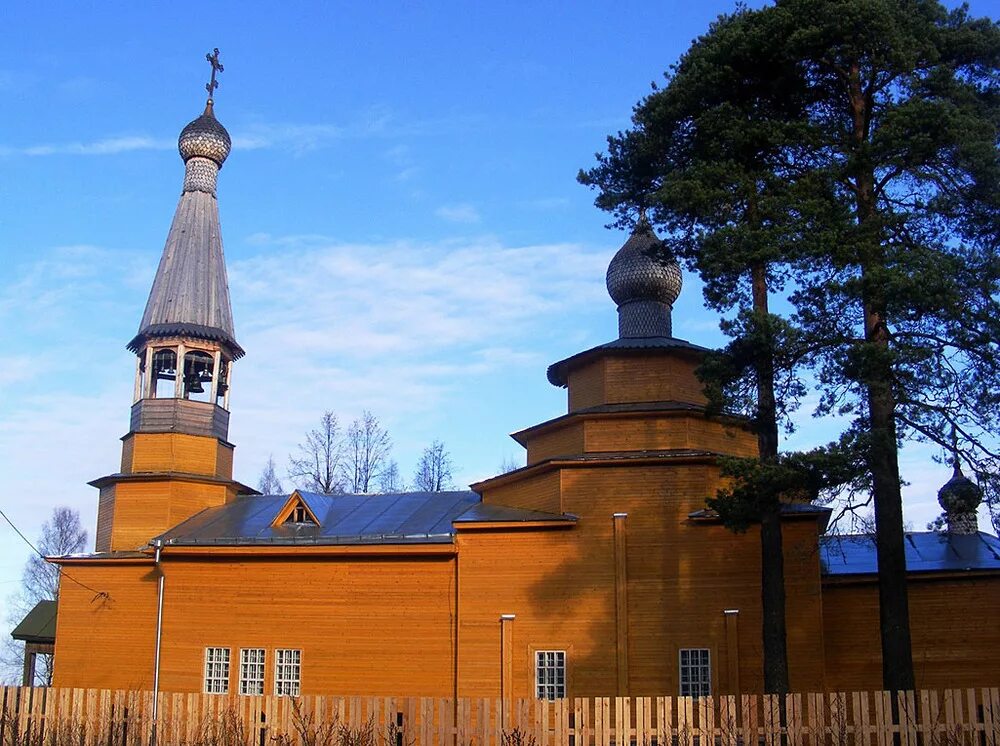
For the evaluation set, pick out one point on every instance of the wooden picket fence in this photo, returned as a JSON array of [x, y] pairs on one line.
[[89, 717]]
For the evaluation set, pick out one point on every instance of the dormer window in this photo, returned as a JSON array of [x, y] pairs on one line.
[[295, 511], [299, 514]]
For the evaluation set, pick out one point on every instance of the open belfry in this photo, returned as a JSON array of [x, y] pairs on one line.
[[594, 570]]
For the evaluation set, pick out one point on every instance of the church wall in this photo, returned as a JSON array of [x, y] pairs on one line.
[[366, 625], [566, 440], [107, 643], [369, 626], [586, 385], [559, 584], [663, 432], [649, 378], [535, 492], [156, 452], [956, 638], [143, 509], [681, 578]]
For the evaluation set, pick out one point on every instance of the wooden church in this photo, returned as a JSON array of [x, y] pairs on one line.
[[594, 570]]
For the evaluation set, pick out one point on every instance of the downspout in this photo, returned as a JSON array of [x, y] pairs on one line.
[[158, 544]]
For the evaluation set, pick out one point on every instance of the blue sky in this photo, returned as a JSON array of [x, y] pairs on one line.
[[400, 214]]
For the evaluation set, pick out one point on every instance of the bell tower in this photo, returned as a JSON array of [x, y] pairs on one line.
[[176, 457]]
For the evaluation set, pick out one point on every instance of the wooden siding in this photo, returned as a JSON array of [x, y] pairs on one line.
[[586, 385], [224, 461], [180, 452], [648, 378], [560, 441], [953, 624], [537, 492], [619, 379], [107, 641], [145, 509], [368, 625], [650, 432], [105, 518], [180, 415]]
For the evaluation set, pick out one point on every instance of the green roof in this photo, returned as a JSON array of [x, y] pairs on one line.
[[39, 625]]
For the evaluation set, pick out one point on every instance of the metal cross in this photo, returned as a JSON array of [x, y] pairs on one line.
[[217, 67]]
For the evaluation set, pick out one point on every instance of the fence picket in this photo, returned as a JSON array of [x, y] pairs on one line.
[[967, 717]]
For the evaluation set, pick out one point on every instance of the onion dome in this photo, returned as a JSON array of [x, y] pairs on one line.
[[644, 280], [960, 498], [205, 138]]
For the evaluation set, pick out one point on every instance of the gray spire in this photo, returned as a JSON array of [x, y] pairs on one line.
[[190, 294], [644, 280]]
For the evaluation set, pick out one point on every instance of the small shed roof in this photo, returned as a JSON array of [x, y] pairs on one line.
[[926, 551], [39, 625]]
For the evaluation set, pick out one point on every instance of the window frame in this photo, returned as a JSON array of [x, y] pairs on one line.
[[699, 684], [279, 669], [549, 685], [210, 681], [261, 682]]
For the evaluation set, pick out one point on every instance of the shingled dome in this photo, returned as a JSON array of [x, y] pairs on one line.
[[206, 138], [644, 280]]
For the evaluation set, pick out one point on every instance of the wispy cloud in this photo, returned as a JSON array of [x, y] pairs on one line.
[[105, 146], [462, 213]]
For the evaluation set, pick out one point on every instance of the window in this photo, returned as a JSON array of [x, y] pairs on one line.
[[696, 672], [217, 670], [287, 672], [252, 671], [550, 674]]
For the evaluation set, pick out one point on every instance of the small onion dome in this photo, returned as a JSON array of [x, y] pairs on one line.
[[205, 138], [960, 494], [644, 270]]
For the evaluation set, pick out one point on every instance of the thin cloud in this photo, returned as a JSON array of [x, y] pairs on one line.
[[106, 146], [463, 213]]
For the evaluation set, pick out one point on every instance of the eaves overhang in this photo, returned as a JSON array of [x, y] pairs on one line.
[[177, 476]]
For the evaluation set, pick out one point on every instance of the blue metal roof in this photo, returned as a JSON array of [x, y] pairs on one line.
[[404, 518], [926, 551]]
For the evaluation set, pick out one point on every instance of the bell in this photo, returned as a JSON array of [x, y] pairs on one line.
[[194, 386]]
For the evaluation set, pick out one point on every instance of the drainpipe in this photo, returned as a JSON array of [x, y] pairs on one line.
[[158, 545]]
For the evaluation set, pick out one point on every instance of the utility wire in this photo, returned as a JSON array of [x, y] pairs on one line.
[[62, 572]]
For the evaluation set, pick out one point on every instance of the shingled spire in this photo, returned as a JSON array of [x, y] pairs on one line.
[[190, 294]]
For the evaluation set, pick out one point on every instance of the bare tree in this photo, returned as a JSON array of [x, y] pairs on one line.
[[433, 472], [318, 465], [508, 464], [366, 453], [62, 533], [269, 484], [390, 480]]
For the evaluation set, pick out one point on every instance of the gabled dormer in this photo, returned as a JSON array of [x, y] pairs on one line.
[[296, 511]]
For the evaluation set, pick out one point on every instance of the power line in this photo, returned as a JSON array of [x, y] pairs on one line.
[[62, 572]]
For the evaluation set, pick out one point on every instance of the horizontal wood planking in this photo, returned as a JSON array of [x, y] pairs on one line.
[[146, 509], [630, 378], [179, 415], [953, 624], [657, 431], [374, 625], [88, 717], [180, 452]]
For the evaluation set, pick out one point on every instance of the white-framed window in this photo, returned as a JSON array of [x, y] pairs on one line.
[[287, 672], [252, 670], [695, 672], [550, 674], [216, 670]]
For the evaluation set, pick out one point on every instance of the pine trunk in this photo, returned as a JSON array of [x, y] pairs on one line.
[[772, 561], [883, 461]]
